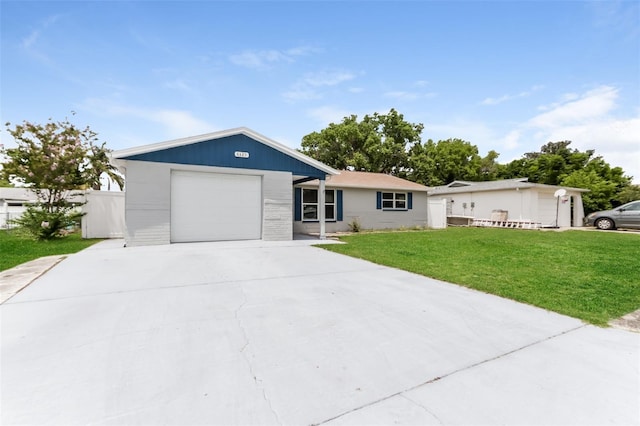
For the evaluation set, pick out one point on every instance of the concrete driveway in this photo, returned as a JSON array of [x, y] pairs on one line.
[[285, 333]]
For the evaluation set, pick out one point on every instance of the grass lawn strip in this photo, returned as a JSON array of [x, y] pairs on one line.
[[17, 248], [593, 276]]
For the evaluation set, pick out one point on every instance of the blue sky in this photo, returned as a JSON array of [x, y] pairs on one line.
[[507, 76]]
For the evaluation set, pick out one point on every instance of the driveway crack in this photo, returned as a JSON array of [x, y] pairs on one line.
[[247, 357], [423, 407]]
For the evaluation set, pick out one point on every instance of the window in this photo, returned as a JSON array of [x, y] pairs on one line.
[[632, 207], [394, 200], [310, 204]]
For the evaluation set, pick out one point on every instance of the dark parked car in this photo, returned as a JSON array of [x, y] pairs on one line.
[[625, 216]]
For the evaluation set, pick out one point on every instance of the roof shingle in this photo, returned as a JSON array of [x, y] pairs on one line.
[[349, 179]]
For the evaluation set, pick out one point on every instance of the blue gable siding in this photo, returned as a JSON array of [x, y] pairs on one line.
[[221, 153]]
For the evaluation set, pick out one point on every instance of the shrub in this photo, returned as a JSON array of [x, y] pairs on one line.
[[44, 225], [354, 225]]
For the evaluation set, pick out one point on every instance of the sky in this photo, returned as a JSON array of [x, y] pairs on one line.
[[508, 76]]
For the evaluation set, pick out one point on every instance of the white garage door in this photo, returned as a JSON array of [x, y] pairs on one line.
[[215, 207], [547, 209]]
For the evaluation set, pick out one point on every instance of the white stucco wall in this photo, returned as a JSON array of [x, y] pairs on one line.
[[360, 205], [529, 204], [519, 204], [148, 201]]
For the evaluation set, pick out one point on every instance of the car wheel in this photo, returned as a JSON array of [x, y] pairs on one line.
[[605, 224]]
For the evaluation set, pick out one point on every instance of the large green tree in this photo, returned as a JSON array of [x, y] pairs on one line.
[[377, 143], [550, 165], [443, 162], [54, 160]]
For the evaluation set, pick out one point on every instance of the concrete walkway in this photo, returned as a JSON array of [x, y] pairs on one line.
[[15, 279], [285, 333]]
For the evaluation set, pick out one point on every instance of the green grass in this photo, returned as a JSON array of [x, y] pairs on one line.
[[593, 276], [17, 248]]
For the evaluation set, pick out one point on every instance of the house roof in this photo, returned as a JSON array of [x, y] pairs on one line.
[[174, 151], [349, 179], [459, 186], [17, 194]]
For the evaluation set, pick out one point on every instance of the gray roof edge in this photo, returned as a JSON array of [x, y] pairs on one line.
[[499, 185], [568, 188], [128, 152]]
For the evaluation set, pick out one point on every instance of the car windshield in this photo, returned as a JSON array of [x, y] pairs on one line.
[[630, 207]]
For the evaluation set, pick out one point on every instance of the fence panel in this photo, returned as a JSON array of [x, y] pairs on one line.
[[437, 214], [104, 216]]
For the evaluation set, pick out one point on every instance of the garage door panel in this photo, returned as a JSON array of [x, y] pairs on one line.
[[215, 207]]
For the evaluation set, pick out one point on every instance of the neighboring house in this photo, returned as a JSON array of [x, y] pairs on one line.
[[14, 202], [515, 200], [230, 185], [370, 200]]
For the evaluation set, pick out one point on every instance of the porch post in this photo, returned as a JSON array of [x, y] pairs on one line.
[[321, 208]]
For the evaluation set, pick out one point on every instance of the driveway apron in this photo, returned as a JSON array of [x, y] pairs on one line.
[[285, 333]]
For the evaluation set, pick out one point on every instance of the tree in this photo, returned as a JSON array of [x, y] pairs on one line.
[[630, 193], [422, 163], [489, 167], [600, 192], [4, 183], [554, 162], [99, 165], [378, 143], [440, 163], [54, 160]]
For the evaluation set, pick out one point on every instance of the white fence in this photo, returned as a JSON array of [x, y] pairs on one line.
[[104, 215], [7, 217], [437, 214]]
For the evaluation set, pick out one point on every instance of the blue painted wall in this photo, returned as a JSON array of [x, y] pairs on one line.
[[221, 153]]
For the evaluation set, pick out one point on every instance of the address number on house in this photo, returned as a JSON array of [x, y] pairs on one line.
[[241, 154]]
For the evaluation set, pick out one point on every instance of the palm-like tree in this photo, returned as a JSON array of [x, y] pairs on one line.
[[99, 163]]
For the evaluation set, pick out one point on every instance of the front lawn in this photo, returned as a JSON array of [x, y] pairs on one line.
[[593, 276], [17, 248]]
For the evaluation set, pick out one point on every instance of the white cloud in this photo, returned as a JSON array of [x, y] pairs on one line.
[[400, 95], [301, 93], [306, 87], [593, 104], [328, 114], [178, 122], [509, 97], [511, 141], [30, 40], [264, 59], [585, 119], [326, 78], [35, 34], [618, 16], [175, 123], [178, 84], [408, 96], [302, 51], [258, 60]]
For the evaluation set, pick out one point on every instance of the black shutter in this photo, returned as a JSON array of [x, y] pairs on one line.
[[297, 201]]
